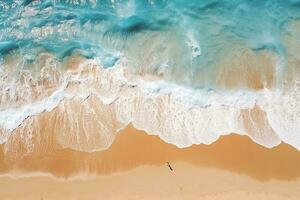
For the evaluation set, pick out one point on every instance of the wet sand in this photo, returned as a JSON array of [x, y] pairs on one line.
[[134, 167]]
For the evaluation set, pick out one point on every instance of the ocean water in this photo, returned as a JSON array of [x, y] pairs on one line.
[[188, 71]]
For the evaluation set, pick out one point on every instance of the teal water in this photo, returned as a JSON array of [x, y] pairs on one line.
[[184, 36]]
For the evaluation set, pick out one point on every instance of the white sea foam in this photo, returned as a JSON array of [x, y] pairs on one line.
[[11, 118], [178, 115], [193, 43]]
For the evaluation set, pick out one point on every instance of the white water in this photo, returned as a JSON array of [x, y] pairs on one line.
[[178, 115]]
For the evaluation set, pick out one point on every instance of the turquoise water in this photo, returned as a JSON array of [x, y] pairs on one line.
[[181, 37]]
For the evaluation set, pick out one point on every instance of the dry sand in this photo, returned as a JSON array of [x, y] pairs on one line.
[[153, 182], [134, 167]]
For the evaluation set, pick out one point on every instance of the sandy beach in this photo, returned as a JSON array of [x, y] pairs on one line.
[[134, 167], [153, 182]]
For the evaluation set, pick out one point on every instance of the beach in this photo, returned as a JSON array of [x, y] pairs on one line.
[[134, 167]]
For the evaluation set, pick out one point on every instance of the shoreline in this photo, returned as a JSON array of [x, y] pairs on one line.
[[133, 148], [134, 168]]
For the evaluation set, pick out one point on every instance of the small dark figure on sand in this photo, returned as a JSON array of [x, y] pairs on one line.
[[170, 167]]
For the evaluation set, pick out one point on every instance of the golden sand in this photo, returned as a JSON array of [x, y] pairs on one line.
[[133, 148], [153, 182], [232, 168], [134, 167]]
